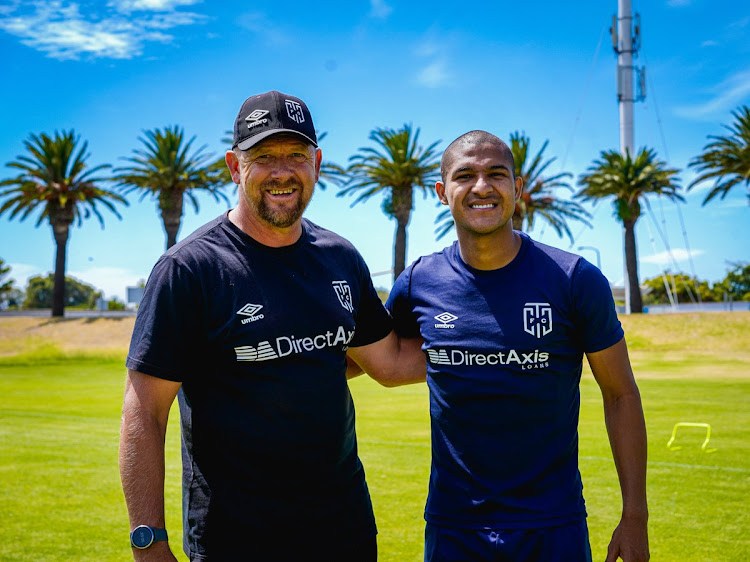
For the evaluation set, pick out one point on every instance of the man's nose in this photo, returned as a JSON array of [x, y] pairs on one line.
[[282, 167], [481, 185]]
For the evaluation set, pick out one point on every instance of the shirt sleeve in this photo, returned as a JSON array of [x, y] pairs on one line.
[[400, 306], [596, 316], [373, 321], [164, 336]]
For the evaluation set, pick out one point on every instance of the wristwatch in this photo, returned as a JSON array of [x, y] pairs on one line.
[[144, 536]]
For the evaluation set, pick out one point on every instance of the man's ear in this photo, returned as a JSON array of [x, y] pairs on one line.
[[234, 165], [519, 187], [318, 160], [440, 190]]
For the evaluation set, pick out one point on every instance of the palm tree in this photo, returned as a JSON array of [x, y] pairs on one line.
[[628, 180], [726, 158], [329, 170], [55, 178], [537, 195], [167, 169], [394, 168]]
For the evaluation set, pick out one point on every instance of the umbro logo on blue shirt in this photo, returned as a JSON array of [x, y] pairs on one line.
[[250, 311], [446, 319]]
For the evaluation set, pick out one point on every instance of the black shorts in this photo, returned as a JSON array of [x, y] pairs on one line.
[[297, 547]]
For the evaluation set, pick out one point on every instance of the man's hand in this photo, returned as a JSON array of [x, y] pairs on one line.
[[158, 552], [145, 413], [629, 541]]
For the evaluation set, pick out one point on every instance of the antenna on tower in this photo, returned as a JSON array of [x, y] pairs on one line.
[[636, 34], [640, 83]]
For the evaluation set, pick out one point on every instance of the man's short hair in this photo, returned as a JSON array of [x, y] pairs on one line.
[[474, 138]]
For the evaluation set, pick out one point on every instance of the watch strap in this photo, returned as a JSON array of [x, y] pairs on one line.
[[156, 534]]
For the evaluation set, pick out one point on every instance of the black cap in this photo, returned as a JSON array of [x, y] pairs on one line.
[[267, 114]]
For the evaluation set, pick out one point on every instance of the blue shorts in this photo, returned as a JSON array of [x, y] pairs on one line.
[[564, 543]]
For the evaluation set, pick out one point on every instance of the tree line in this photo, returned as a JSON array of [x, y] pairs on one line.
[[39, 290], [53, 178], [683, 288]]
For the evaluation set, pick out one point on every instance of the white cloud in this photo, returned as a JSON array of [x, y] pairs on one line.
[[739, 24], [433, 75], [21, 272], [258, 23], [709, 43], [112, 281], [677, 255], [427, 48], [59, 29], [433, 49], [677, 3], [728, 94], [128, 6], [379, 9]]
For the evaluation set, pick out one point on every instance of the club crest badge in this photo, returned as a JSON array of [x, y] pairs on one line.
[[344, 293], [537, 318], [294, 111]]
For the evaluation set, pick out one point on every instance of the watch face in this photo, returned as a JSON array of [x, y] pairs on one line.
[[142, 537]]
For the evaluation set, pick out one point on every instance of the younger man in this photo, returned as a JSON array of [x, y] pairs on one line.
[[506, 321]]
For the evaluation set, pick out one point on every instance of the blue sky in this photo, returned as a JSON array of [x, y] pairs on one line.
[[112, 69]]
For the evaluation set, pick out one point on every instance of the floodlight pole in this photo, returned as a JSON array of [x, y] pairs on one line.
[[625, 40]]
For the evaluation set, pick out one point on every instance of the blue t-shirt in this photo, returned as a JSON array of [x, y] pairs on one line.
[[504, 356], [258, 338]]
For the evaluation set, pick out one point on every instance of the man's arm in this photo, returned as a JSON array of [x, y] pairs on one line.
[[144, 427], [626, 428], [392, 361]]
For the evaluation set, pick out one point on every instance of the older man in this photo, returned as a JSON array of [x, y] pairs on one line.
[[506, 322], [248, 321]]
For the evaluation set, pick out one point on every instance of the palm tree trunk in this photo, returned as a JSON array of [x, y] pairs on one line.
[[631, 265], [170, 205], [60, 232], [399, 247], [402, 201]]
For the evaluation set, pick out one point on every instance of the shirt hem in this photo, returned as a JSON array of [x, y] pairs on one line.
[[539, 523]]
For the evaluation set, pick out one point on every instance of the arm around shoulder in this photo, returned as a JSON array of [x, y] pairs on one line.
[[142, 432], [392, 361], [626, 428]]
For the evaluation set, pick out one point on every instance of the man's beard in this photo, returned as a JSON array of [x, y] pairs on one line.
[[283, 217]]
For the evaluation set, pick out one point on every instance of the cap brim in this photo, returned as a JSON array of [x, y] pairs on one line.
[[255, 139]]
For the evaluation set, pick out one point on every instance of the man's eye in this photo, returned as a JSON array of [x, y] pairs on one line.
[[298, 156]]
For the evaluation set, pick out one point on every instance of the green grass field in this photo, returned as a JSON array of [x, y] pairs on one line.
[[60, 496]]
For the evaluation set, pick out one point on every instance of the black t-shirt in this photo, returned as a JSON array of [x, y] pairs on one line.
[[258, 337]]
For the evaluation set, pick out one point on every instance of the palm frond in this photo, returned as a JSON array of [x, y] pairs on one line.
[[726, 159]]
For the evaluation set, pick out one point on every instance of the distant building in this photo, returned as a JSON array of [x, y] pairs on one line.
[[134, 296]]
